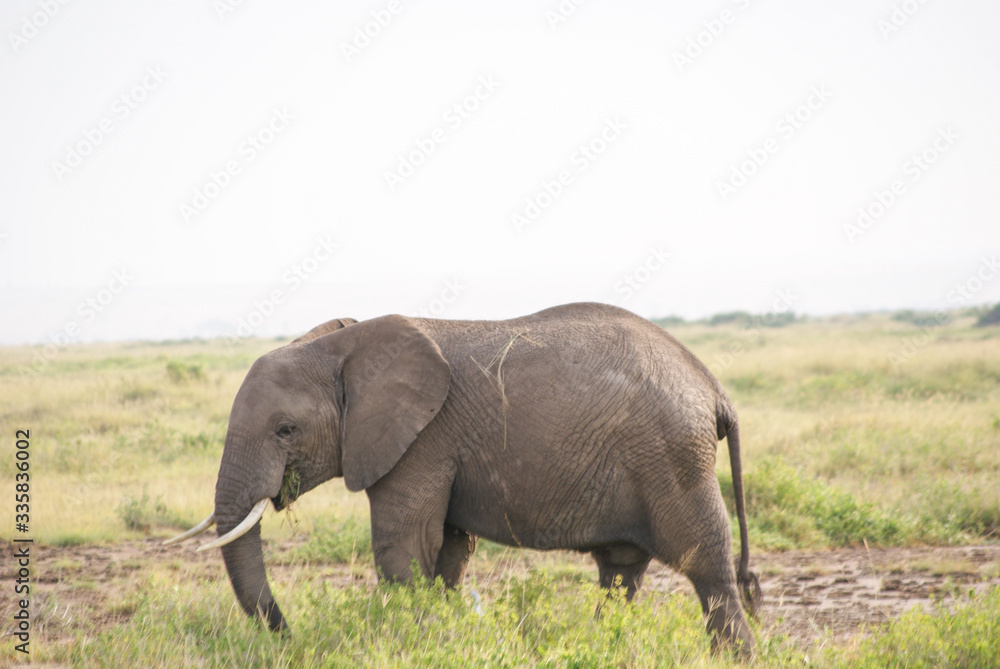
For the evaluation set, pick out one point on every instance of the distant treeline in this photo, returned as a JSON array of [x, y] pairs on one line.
[[984, 316]]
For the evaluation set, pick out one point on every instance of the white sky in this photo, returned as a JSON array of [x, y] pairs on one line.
[[654, 191]]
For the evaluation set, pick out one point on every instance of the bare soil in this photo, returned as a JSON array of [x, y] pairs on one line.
[[809, 596], [839, 594]]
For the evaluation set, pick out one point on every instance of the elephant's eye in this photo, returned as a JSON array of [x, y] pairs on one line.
[[285, 431]]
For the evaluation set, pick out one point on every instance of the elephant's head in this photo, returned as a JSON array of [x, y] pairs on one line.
[[347, 399]]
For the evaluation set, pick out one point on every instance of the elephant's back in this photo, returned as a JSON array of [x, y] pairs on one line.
[[565, 404]]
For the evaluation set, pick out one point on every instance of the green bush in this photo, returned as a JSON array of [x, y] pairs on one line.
[[786, 510], [140, 514], [729, 317], [991, 317], [179, 372], [966, 636], [523, 622], [335, 540]]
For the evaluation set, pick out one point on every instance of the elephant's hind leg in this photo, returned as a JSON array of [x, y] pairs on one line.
[[621, 565], [692, 535], [453, 558]]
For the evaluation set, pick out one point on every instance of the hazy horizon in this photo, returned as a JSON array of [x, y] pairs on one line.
[[179, 171]]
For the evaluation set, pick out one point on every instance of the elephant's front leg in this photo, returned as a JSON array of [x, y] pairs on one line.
[[408, 509]]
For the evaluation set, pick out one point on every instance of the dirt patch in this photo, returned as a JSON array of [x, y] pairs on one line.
[[841, 593], [808, 595]]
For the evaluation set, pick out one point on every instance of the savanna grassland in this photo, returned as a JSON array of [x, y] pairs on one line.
[[868, 441]]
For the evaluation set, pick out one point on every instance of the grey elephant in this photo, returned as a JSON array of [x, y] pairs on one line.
[[581, 427]]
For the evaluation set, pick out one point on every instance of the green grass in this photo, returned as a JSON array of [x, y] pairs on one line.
[[527, 621], [964, 637], [854, 429]]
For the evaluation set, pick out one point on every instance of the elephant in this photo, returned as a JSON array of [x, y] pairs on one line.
[[580, 427]]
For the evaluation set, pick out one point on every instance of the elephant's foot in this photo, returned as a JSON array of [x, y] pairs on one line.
[[725, 620]]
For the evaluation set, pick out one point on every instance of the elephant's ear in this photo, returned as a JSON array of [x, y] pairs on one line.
[[395, 381], [325, 328]]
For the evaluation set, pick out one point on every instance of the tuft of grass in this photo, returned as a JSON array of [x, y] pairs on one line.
[[180, 372], [959, 636], [786, 510], [529, 621], [334, 541], [141, 514]]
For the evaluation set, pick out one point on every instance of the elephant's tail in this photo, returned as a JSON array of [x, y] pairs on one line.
[[749, 584]]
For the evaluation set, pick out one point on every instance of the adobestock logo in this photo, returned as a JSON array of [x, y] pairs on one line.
[[452, 290], [885, 198], [121, 108], [631, 282], [900, 15], [787, 126], [562, 12], [88, 310], [364, 34], [453, 118], [33, 24], [219, 180], [580, 160], [712, 29], [292, 278]]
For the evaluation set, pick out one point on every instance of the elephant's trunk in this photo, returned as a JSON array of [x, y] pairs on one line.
[[245, 564], [237, 490]]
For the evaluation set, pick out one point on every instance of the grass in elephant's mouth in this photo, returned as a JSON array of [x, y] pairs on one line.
[[290, 486]]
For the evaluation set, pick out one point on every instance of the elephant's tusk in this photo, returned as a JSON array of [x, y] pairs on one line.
[[196, 530], [255, 513]]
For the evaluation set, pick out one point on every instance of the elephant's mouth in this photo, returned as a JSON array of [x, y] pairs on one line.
[[291, 487]]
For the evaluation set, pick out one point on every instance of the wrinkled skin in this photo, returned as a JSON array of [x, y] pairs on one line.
[[581, 427]]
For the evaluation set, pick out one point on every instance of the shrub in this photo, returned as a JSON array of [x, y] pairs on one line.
[[335, 540], [786, 509], [179, 372], [728, 317], [963, 637], [991, 317], [138, 513]]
